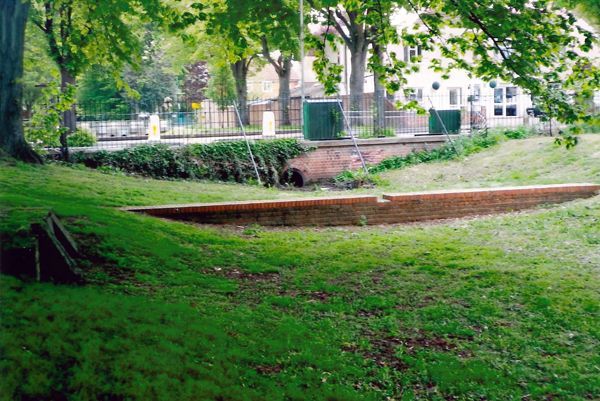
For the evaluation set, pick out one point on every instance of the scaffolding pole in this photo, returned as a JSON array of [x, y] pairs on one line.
[[347, 122], [237, 113]]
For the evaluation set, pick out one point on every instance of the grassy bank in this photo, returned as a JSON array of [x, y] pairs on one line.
[[516, 162], [499, 308]]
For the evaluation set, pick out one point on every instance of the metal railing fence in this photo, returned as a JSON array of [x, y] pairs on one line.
[[119, 123]]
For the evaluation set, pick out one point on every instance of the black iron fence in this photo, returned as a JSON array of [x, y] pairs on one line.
[[177, 121]]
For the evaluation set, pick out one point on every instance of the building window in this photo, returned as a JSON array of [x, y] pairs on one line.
[[414, 94], [411, 53], [476, 93], [498, 95], [267, 86], [511, 110], [455, 96], [505, 100]]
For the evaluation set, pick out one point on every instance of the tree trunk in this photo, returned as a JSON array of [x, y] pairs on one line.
[[240, 74], [379, 120], [358, 60], [69, 117], [284, 92], [13, 18]]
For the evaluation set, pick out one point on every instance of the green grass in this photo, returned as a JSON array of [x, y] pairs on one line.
[[516, 162], [498, 308]]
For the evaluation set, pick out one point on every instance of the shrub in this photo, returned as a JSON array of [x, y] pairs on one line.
[[226, 161], [591, 126], [459, 147], [370, 132], [384, 132], [518, 133], [81, 138], [44, 129], [158, 161], [356, 179]]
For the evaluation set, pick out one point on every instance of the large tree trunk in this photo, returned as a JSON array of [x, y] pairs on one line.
[[379, 118], [240, 74], [13, 18], [284, 91], [358, 60], [69, 117]]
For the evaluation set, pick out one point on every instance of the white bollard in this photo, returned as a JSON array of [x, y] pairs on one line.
[[154, 128], [268, 128]]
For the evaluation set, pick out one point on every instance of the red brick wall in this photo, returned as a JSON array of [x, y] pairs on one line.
[[329, 158], [401, 208]]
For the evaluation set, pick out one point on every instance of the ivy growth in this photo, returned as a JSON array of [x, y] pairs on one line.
[[224, 161]]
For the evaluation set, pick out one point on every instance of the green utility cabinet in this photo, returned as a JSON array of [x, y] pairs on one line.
[[451, 119], [323, 119]]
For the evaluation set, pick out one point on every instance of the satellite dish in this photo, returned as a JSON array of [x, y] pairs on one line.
[[493, 84], [435, 85]]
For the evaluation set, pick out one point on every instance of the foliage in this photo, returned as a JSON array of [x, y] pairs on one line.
[[492, 308], [151, 81], [589, 8], [44, 130], [535, 45], [226, 161], [229, 161], [592, 126], [81, 33], [81, 138], [221, 87], [196, 81], [105, 91], [459, 147], [39, 68], [517, 133], [356, 179], [357, 25], [158, 161], [99, 91], [566, 138], [375, 132]]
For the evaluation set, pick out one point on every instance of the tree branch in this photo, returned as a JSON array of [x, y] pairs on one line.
[[39, 25], [267, 55], [341, 16], [340, 29], [50, 34]]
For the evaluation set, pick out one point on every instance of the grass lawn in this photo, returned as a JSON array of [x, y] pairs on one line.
[[516, 162], [497, 308]]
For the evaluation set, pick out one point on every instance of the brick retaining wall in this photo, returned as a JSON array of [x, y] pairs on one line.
[[392, 209], [329, 158]]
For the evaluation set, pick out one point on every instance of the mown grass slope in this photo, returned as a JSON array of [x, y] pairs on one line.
[[535, 160], [498, 308]]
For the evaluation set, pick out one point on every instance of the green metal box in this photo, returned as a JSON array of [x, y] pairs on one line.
[[451, 119], [323, 119]]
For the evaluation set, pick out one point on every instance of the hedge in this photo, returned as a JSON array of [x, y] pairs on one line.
[[226, 161]]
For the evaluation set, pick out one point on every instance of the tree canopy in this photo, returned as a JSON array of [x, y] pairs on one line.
[[534, 44], [538, 45]]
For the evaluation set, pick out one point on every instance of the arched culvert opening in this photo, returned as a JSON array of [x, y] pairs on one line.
[[293, 177]]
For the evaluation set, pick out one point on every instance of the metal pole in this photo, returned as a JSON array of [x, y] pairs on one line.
[[237, 112], [302, 63], [443, 125], [471, 115], [362, 160]]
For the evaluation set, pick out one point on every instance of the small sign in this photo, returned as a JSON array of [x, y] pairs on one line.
[[154, 128], [268, 128], [196, 106]]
